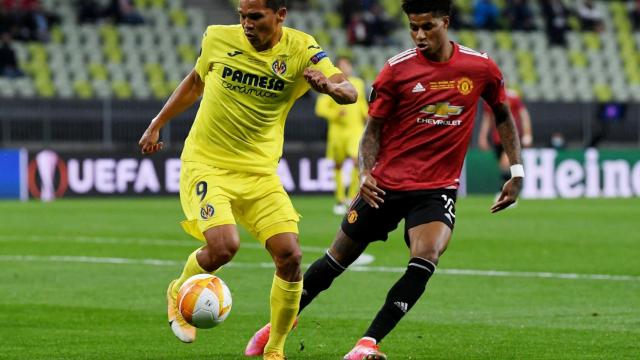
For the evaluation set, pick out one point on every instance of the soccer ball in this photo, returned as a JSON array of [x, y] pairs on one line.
[[204, 301]]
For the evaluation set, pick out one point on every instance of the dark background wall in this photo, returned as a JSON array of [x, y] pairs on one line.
[[119, 124]]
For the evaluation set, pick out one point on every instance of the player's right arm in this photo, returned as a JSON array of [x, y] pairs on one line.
[[183, 97], [382, 105], [367, 155]]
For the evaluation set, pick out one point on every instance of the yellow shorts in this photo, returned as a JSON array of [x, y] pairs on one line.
[[211, 196], [341, 148]]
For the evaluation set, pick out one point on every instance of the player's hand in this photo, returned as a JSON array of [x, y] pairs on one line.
[[509, 195], [317, 80], [149, 142], [370, 191]]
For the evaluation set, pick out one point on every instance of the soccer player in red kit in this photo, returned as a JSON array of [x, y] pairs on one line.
[[422, 109]]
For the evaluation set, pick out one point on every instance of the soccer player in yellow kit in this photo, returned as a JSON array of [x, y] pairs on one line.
[[346, 124], [249, 76]]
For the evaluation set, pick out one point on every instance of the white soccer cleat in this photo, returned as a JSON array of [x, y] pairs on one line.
[[181, 329]]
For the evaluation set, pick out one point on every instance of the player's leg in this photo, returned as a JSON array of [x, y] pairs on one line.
[[286, 288], [342, 253], [428, 242], [429, 225], [362, 222], [269, 214], [317, 278], [208, 217]]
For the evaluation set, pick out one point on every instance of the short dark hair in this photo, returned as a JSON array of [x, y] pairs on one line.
[[275, 5], [436, 7]]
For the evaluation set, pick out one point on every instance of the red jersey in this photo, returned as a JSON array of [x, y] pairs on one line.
[[429, 109], [515, 105]]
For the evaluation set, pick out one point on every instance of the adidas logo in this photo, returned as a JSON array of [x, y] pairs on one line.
[[403, 306], [418, 88]]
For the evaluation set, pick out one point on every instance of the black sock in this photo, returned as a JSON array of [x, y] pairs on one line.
[[318, 278], [401, 297]]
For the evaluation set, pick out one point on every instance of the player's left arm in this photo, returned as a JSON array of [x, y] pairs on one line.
[[337, 86], [495, 95], [511, 143]]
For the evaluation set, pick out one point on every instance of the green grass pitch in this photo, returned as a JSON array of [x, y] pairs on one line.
[[85, 279]]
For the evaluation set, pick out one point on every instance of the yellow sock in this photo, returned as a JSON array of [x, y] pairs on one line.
[[354, 187], [285, 302], [191, 267], [339, 193]]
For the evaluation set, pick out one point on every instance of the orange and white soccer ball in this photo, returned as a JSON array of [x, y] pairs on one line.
[[204, 301]]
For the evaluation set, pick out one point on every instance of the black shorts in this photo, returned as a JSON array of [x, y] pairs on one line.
[[362, 223]]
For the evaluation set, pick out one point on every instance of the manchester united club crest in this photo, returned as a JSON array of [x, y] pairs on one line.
[[352, 217], [279, 67], [465, 86]]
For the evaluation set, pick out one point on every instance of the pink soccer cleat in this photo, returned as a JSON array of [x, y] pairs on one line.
[[256, 345], [365, 349]]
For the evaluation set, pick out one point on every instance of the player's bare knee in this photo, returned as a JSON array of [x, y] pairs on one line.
[[433, 255], [288, 264], [221, 250]]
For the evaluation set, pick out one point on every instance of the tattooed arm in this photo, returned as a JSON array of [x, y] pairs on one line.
[[368, 153], [511, 144]]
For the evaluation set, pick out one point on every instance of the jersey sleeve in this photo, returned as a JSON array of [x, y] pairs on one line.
[[317, 58], [382, 101], [494, 92], [202, 64]]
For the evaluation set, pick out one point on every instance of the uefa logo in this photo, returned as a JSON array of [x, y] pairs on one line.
[[47, 176]]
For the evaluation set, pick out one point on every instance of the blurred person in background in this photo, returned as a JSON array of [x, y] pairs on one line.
[[556, 16], [485, 15], [380, 25], [8, 60], [591, 16], [634, 13], [519, 15], [358, 31], [422, 109], [88, 11], [29, 21], [124, 12], [249, 76], [346, 123], [488, 130]]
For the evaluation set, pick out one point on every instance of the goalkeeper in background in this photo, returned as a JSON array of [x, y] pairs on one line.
[[346, 124]]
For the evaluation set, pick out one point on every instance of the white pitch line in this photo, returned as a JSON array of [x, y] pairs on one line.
[[266, 265], [189, 243]]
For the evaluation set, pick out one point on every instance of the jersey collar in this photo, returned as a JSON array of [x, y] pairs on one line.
[[451, 60]]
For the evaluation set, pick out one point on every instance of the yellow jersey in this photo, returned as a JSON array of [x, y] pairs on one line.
[[247, 96], [344, 120]]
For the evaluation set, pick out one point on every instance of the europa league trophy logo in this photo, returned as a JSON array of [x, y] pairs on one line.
[[47, 161]]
